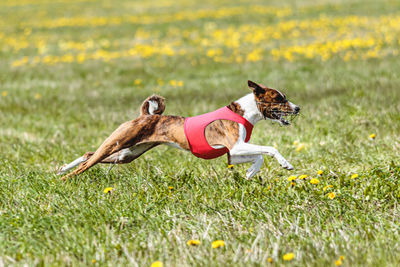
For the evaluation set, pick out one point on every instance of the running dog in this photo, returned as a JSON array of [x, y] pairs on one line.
[[224, 131]]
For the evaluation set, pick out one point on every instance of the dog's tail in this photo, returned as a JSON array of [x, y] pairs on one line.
[[153, 105]]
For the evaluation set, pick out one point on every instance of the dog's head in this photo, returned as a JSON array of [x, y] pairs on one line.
[[272, 104]]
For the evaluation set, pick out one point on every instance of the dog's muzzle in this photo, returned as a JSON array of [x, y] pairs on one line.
[[286, 117]]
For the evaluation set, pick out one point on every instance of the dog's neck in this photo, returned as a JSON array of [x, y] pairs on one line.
[[248, 108]]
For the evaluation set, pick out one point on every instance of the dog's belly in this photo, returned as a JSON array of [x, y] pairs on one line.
[[128, 154], [175, 145], [133, 152]]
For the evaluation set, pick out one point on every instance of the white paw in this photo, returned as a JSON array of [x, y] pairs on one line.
[[288, 166], [285, 164], [251, 172], [255, 167], [61, 170]]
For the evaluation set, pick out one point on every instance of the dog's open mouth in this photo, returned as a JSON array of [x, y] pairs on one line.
[[285, 118]]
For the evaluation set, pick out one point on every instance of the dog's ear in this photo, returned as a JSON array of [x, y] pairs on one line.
[[257, 89]]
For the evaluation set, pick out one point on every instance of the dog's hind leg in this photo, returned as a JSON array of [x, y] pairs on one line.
[[122, 156], [127, 155], [104, 151], [66, 168]]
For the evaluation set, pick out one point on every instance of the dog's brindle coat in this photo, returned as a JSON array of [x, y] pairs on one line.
[[133, 138]]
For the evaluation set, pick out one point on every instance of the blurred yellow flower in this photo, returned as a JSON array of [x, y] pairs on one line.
[[291, 178], [230, 166], [338, 262], [4, 93], [331, 195], [157, 264], [93, 261], [193, 242], [288, 256], [37, 96], [320, 172], [170, 187], [108, 190], [354, 176], [372, 136], [255, 55], [314, 181], [328, 186], [218, 244], [300, 147], [269, 259], [303, 176], [341, 258], [137, 81]]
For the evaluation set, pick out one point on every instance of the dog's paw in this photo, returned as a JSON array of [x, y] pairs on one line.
[[255, 167], [251, 172], [61, 170], [285, 164], [288, 166]]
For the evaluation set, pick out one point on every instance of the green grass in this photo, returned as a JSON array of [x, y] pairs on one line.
[[44, 221]]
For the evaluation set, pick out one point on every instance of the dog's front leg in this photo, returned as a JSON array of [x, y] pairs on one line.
[[245, 149], [254, 168]]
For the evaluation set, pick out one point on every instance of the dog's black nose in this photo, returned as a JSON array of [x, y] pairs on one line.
[[297, 109]]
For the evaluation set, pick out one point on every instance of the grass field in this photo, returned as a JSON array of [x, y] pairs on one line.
[[72, 70]]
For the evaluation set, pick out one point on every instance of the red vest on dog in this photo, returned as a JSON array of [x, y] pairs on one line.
[[195, 132]]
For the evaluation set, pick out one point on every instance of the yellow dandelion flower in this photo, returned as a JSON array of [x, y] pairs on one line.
[[292, 183], [314, 181], [173, 83], [4, 93], [157, 264], [328, 186], [331, 195], [291, 178], [137, 81], [218, 244], [320, 172], [303, 176], [180, 83], [269, 260], [338, 262], [296, 142], [81, 57], [288, 257], [372, 136], [230, 166], [170, 187], [300, 147], [341, 258], [93, 261], [193, 243], [255, 55], [108, 190], [354, 176], [269, 187], [37, 96]]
